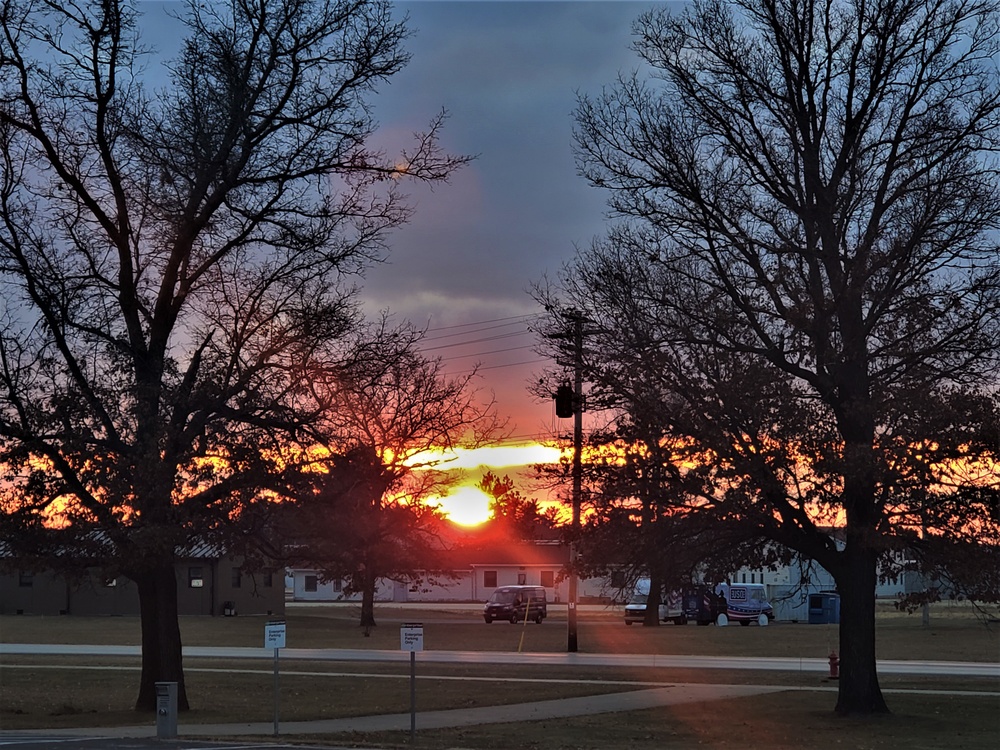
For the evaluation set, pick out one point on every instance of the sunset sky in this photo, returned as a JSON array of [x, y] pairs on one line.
[[508, 74], [468, 505]]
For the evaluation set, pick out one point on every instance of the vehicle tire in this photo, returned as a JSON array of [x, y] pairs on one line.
[[680, 620], [744, 623], [763, 620], [488, 619], [722, 620], [513, 619], [629, 623], [538, 619]]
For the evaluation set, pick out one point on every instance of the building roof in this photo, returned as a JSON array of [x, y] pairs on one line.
[[521, 554]]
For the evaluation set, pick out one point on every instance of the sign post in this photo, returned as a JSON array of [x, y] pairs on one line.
[[411, 638], [274, 637]]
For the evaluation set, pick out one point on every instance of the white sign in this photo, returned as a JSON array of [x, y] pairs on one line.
[[411, 636], [274, 634]]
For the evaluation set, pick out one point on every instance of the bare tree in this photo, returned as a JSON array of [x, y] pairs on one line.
[[173, 265], [809, 202], [514, 516], [389, 426]]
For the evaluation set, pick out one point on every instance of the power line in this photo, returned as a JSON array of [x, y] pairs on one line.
[[481, 340], [472, 330], [513, 364], [498, 367], [482, 322], [484, 354]]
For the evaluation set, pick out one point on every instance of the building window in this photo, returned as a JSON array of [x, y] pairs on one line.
[[195, 578], [268, 581], [548, 578], [25, 580], [310, 583], [618, 579], [338, 585], [490, 579], [522, 578], [236, 578]]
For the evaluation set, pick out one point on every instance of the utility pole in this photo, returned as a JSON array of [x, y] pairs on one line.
[[571, 633], [569, 403]]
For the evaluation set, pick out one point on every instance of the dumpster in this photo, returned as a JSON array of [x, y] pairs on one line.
[[824, 608]]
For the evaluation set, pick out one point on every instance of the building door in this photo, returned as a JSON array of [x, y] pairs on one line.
[[400, 591]]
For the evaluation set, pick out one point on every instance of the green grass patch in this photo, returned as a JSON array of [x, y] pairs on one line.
[[64, 692], [777, 721]]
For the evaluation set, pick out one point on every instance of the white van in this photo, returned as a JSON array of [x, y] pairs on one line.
[[746, 603], [671, 605]]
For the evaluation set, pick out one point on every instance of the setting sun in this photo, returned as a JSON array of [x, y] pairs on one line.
[[467, 506]]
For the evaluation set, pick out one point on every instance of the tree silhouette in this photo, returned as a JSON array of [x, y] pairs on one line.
[[806, 264], [174, 266], [389, 424]]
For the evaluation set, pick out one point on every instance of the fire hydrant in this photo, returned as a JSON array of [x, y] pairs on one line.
[[834, 666]]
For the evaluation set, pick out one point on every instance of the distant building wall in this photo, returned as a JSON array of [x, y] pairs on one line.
[[97, 596], [488, 576], [204, 587], [308, 586], [26, 593], [455, 588]]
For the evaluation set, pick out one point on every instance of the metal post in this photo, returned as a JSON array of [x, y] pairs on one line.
[[276, 692], [413, 697], [166, 710]]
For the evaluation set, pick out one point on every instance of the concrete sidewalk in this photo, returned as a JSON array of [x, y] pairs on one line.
[[518, 712], [781, 664]]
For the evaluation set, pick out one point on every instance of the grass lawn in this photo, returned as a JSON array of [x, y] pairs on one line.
[[45, 692]]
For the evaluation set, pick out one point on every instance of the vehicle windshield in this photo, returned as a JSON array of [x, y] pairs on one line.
[[638, 599], [502, 597]]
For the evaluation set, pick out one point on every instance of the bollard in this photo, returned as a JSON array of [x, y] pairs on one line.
[[834, 666], [166, 710]]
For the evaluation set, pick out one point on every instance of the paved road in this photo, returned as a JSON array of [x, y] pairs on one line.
[[937, 668]]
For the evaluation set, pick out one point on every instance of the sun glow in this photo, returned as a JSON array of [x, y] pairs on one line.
[[494, 456], [467, 506]]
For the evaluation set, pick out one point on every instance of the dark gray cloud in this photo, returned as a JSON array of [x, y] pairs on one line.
[[509, 74]]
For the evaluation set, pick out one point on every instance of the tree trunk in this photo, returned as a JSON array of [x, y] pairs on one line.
[[651, 556], [161, 636], [653, 600], [368, 602], [859, 691]]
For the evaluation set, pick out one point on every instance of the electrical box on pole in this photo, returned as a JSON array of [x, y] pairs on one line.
[[565, 401]]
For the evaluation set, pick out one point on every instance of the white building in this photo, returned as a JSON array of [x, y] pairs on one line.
[[476, 572]]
